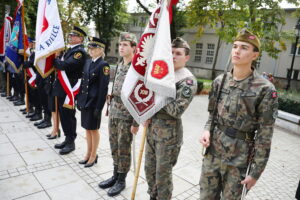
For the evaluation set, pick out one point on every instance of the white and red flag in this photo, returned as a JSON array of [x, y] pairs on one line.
[[5, 37], [150, 82], [49, 36]]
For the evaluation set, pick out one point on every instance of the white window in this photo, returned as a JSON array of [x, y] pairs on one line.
[[210, 53], [297, 50], [198, 52]]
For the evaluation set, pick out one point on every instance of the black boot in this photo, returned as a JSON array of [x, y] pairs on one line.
[[111, 181], [60, 145], [21, 102], [118, 186], [39, 122]]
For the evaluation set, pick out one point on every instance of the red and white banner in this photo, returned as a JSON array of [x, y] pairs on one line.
[[145, 92], [5, 34], [71, 91], [49, 36], [32, 77]]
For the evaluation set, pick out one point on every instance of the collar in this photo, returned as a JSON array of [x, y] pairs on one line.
[[94, 60], [72, 46], [181, 74], [242, 84]]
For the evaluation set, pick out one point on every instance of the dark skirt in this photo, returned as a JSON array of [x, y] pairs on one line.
[[51, 103], [88, 121]]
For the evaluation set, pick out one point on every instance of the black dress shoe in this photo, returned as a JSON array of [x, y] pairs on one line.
[[22, 109], [37, 116], [48, 135], [30, 115], [61, 145], [67, 149], [14, 98], [3, 95], [45, 124], [19, 103], [39, 122], [9, 97], [54, 136], [91, 164]]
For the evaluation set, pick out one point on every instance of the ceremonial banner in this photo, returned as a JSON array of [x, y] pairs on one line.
[[15, 47], [49, 36], [145, 92], [4, 37]]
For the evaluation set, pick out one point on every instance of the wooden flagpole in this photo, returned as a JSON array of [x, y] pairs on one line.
[[137, 173]]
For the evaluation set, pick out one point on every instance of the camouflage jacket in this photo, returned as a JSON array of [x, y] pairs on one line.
[[249, 105], [167, 121], [117, 108]]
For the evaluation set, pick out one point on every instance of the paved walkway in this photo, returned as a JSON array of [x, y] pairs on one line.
[[30, 168]]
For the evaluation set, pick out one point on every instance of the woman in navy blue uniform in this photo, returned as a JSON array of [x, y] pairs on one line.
[[92, 97]]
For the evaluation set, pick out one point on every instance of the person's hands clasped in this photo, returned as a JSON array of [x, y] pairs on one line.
[[134, 129]]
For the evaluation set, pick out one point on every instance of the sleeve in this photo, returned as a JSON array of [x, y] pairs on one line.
[[267, 113], [103, 86], [184, 95], [72, 63], [211, 103]]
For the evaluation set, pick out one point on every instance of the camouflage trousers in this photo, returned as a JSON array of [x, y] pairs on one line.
[[162, 150], [120, 139], [220, 181]]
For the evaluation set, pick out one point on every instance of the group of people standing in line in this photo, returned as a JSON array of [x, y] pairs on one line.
[[242, 107]]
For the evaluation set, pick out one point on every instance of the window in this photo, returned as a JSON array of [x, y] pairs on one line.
[[297, 50], [210, 53], [198, 52]]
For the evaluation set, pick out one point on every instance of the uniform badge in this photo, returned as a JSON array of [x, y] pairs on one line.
[[187, 92], [77, 55], [274, 94], [106, 70], [189, 82]]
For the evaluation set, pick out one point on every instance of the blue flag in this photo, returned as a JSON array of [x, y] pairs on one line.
[[15, 49]]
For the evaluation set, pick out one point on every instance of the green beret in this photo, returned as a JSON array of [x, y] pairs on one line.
[[246, 36], [180, 43], [125, 36]]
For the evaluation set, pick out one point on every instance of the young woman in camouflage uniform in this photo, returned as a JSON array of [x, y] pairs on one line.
[[245, 117]]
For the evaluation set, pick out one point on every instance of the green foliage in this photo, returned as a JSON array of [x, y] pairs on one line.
[[265, 18], [30, 12], [109, 16], [289, 101]]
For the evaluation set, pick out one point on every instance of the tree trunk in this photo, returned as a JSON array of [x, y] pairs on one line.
[[213, 72]]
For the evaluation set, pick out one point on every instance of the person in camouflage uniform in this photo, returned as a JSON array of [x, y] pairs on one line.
[[164, 133], [246, 113], [121, 123]]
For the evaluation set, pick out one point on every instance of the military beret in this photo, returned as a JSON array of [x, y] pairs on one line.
[[180, 43], [246, 36], [77, 32], [96, 42], [125, 36]]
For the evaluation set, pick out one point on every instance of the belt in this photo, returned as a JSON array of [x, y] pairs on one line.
[[235, 133], [164, 116]]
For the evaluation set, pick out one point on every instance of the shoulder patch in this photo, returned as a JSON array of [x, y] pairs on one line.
[[77, 55], [186, 92], [274, 94], [106, 70], [189, 82]]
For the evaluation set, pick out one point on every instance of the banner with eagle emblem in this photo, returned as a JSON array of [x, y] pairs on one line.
[[150, 83]]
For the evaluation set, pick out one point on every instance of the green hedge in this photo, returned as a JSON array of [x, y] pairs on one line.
[[289, 101]]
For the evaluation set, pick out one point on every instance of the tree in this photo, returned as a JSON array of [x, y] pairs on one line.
[[179, 16], [109, 16], [265, 18]]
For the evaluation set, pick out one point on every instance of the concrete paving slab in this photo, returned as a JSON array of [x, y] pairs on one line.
[[30, 145], [77, 190], [56, 177], [36, 196], [19, 186], [11, 161], [7, 149], [40, 156]]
